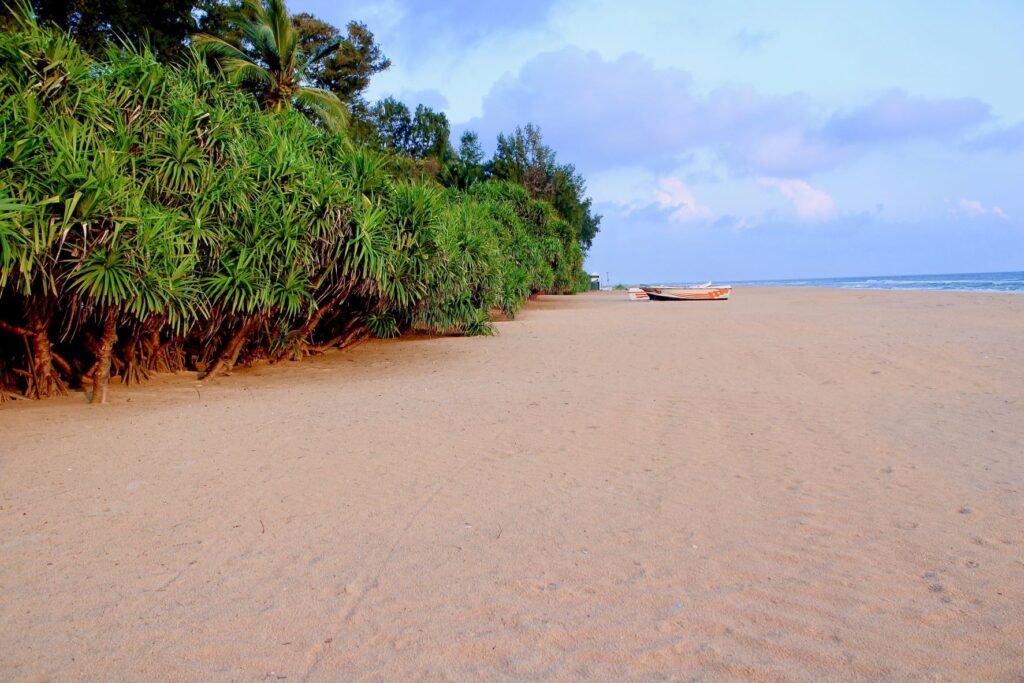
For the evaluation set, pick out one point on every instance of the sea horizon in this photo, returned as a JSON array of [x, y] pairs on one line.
[[1002, 281]]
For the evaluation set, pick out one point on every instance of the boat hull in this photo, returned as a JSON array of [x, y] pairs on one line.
[[688, 293], [637, 294]]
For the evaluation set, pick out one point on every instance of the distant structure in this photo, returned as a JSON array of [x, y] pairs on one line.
[[595, 281]]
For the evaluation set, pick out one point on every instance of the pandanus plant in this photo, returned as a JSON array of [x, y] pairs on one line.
[[84, 250], [153, 218], [44, 78]]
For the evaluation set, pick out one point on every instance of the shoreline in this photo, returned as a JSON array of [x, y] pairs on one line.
[[186, 380], [791, 485]]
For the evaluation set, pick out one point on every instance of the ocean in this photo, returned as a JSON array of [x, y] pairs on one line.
[[955, 282]]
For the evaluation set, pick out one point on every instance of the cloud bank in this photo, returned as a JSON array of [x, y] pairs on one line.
[[598, 112]]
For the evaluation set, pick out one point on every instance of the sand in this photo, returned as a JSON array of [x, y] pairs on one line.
[[791, 485]]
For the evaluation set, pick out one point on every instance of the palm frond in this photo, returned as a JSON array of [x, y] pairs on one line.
[[326, 104], [206, 44], [321, 52], [245, 71]]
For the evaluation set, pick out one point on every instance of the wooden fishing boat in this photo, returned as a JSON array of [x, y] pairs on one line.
[[706, 292], [637, 294]]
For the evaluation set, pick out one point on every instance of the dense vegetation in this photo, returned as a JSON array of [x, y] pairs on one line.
[[194, 214]]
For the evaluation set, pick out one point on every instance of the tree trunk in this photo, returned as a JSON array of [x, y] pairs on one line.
[[101, 373], [350, 331], [226, 361], [136, 357], [306, 330], [155, 360], [44, 380], [303, 334]]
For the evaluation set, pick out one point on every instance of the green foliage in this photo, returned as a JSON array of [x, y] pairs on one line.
[[466, 168], [207, 229], [523, 158], [382, 325], [351, 59], [393, 122], [424, 134], [161, 26], [269, 59]]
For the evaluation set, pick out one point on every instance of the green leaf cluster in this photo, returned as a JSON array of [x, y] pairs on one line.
[[156, 218]]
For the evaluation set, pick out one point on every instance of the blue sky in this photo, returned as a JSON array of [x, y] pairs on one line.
[[739, 140]]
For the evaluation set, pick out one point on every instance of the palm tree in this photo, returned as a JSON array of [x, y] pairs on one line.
[[271, 59]]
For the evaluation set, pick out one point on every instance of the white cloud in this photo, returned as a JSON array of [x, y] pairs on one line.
[[808, 201], [974, 208], [634, 189], [673, 194]]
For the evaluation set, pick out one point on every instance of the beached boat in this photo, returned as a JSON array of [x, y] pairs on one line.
[[705, 292], [637, 294]]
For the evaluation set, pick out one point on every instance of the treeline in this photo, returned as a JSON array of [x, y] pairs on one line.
[[170, 215]]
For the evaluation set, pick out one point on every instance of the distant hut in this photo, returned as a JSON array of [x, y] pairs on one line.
[[595, 281]]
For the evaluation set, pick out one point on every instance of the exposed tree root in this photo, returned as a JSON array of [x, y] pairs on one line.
[[59, 361], [301, 336], [229, 355], [15, 329], [344, 340]]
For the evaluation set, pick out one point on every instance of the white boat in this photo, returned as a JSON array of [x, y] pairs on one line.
[[705, 292]]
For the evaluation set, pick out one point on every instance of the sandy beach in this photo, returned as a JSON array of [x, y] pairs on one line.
[[796, 484]]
